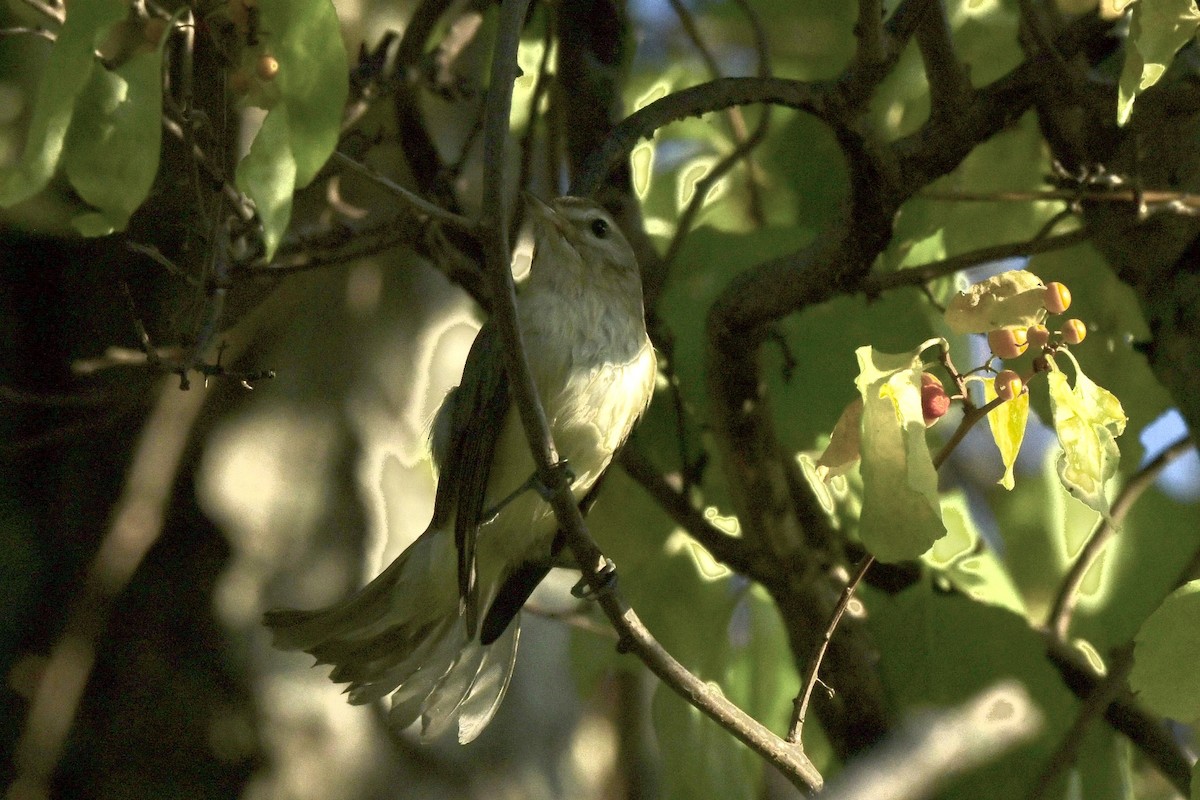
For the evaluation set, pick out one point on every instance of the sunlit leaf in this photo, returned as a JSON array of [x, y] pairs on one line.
[[1007, 422], [1157, 29], [901, 516], [1087, 419], [112, 148], [1165, 655], [1011, 298], [66, 73]]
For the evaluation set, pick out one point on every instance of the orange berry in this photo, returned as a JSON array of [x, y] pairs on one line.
[[1038, 335], [1057, 298], [1008, 385], [267, 67], [1074, 331], [1008, 342]]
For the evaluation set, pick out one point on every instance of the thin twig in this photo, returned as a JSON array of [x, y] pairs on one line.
[[412, 198], [1059, 621], [924, 273], [41, 33], [53, 11], [1181, 202], [800, 707], [731, 551], [790, 759]]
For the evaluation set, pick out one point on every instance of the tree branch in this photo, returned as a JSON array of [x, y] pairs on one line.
[[1059, 621]]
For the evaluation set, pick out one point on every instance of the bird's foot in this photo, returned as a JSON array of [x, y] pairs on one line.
[[606, 576], [535, 483]]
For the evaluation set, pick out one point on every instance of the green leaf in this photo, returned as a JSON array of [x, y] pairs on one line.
[[1166, 652], [268, 176], [301, 128], [1087, 418], [1007, 422], [901, 516], [112, 148], [67, 72], [1157, 29], [1196, 781]]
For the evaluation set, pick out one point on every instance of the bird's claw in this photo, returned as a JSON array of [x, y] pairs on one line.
[[607, 578], [535, 483]]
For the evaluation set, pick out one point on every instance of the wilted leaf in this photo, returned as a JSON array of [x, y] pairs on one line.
[[1007, 422], [844, 443], [1157, 29], [1011, 298], [1087, 419], [1165, 655], [67, 71], [901, 516]]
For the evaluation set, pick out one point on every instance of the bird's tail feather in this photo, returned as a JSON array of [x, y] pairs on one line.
[[404, 632]]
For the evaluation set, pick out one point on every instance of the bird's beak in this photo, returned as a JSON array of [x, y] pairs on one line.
[[542, 213]]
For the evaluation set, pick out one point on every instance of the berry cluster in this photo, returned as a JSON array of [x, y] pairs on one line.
[[1012, 341]]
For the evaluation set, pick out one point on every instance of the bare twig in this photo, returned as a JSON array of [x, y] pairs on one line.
[[729, 550], [717, 95], [868, 28], [1059, 621], [56, 12], [420, 204], [800, 707], [924, 273], [1178, 202], [634, 636], [41, 33]]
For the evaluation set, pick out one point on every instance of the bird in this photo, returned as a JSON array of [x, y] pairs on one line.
[[438, 629]]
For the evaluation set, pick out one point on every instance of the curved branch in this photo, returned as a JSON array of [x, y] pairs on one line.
[[1059, 621], [817, 98]]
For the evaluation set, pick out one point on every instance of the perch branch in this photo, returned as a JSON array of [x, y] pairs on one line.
[[634, 636]]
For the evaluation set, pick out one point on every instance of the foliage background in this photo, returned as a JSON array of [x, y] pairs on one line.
[[296, 491]]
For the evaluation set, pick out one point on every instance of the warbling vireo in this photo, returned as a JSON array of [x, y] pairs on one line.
[[416, 629]]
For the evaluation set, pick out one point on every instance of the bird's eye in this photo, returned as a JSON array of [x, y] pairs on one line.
[[600, 228]]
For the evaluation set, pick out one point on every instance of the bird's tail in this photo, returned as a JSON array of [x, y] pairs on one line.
[[404, 632]]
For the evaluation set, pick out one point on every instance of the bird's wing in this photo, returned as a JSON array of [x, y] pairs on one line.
[[468, 425]]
